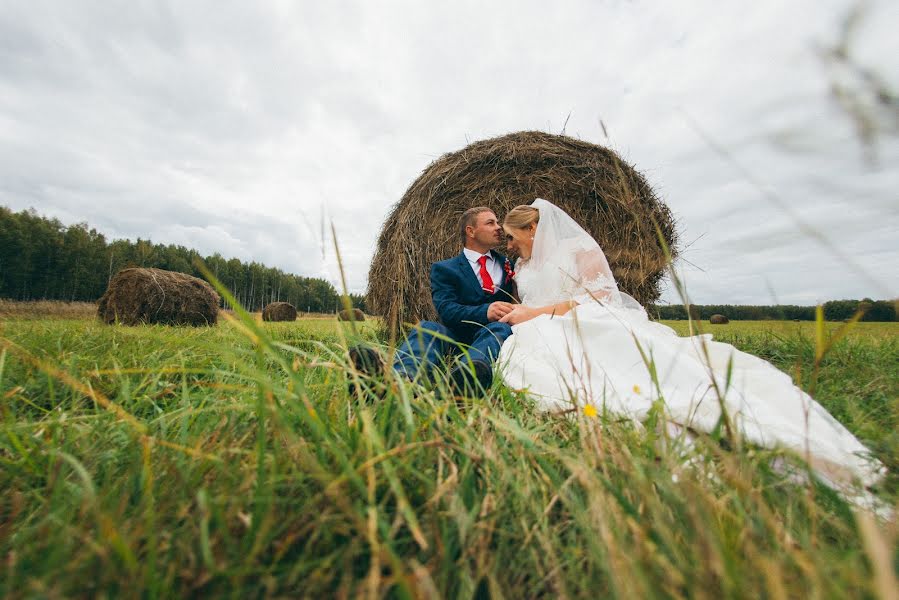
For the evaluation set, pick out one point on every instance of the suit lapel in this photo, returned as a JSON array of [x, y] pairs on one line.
[[468, 273]]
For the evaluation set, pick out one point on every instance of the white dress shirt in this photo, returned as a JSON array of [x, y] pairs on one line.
[[493, 266]]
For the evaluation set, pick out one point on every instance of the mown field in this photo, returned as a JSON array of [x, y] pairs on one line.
[[232, 461]]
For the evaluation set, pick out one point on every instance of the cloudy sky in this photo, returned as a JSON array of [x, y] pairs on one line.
[[232, 127]]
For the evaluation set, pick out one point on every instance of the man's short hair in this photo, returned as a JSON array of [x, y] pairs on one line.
[[470, 218]]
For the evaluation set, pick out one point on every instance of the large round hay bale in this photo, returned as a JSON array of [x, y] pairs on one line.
[[718, 320], [139, 295], [279, 311], [592, 183], [351, 315]]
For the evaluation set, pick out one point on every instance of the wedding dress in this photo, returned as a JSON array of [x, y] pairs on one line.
[[606, 353]]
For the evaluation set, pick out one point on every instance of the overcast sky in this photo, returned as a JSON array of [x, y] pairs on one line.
[[232, 127]]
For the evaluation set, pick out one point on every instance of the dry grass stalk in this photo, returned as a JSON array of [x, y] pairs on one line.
[[46, 309]]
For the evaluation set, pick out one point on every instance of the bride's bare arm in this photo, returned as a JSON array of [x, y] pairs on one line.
[[522, 313]]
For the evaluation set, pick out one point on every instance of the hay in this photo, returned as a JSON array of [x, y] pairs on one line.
[[718, 320], [279, 311], [594, 185], [351, 315], [140, 295]]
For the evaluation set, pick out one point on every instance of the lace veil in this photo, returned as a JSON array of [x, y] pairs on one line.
[[569, 261]]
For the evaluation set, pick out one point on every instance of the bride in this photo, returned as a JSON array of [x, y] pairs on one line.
[[579, 342]]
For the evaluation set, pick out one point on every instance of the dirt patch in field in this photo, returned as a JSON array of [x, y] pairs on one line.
[[46, 309]]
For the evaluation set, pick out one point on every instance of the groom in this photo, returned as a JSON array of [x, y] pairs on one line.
[[471, 292]]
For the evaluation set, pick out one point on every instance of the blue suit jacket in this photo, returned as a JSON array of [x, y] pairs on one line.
[[458, 296]]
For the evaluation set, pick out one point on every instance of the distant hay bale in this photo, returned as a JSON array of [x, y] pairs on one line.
[[351, 315], [279, 311], [139, 295], [604, 194], [719, 320]]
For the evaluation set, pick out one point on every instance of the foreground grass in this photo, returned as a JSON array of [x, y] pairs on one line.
[[151, 461]]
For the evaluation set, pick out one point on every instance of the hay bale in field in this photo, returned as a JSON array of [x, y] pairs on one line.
[[351, 315], [279, 311], [610, 199], [139, 295], [719, 320]]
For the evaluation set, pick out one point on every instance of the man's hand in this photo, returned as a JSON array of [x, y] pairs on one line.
[[498, 310]]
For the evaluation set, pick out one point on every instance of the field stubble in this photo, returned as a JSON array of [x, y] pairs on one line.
[[174, 461]]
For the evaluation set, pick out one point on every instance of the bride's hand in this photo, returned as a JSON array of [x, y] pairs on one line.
[[519, 314], [498, 310]]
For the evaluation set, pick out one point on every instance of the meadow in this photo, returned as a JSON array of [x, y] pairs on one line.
[[232, 461]]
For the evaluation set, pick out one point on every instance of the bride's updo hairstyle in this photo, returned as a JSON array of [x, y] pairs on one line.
[[521, 217]]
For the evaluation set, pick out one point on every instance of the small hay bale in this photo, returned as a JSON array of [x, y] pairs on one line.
[[719, 320], [155, 296], [279, 311], [351, 315], [604, 194]]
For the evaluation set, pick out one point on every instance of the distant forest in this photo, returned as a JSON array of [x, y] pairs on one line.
[[42, 259], [835, 310]]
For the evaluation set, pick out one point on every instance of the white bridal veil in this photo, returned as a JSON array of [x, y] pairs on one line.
[[585, 274]]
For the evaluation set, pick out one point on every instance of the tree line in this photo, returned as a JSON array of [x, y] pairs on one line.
[[834, 310], [43, 259]]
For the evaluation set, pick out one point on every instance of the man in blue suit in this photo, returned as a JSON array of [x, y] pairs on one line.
[[471, 292]]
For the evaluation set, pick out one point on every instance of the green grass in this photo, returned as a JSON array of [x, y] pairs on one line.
[[231, 461], [805, 329]]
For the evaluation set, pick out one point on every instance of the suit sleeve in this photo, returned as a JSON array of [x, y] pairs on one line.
[[445, 294]]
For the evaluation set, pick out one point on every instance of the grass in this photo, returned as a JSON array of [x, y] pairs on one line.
[[231, 461], [46, 309], [784, 329]]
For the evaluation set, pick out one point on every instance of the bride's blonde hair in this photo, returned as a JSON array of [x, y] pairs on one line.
[[521, 217]]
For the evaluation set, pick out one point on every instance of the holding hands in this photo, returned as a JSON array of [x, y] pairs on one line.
[[519, 314], [497, 310], [513, 314]]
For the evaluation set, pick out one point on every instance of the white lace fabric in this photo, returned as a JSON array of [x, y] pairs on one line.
[[566, 263]]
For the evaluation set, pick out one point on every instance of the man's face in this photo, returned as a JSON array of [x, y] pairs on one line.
[[487, 231]]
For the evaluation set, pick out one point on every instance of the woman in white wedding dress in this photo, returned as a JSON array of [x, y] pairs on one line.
[[577, 341]]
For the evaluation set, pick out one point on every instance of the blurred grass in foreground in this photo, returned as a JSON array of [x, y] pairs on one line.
[[249, 471]]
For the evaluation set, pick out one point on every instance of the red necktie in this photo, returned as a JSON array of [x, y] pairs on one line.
[[486, 280]]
